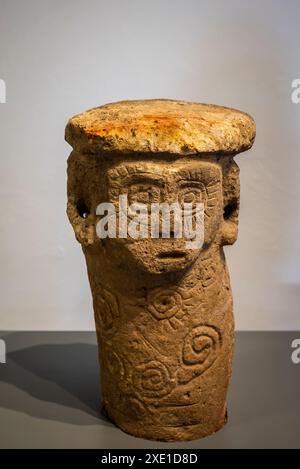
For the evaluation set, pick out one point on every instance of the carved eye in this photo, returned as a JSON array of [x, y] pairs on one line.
[[142, 197], [191, 195], [143, 194]]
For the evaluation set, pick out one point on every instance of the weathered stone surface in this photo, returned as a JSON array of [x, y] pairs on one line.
[[163, 312], [158, 125]]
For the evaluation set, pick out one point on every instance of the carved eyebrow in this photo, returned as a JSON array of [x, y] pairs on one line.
[[146, 178], [190, 182], [200, 177], [191, 175]]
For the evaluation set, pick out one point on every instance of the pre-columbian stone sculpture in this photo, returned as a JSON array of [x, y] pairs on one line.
[[163, 312]]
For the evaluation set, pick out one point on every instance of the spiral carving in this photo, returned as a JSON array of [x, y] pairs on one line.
[[164, 303], [200, 350], [152, 380], [107, 310], [170, 304]]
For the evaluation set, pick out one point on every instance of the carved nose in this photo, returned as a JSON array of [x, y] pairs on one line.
[[172, 228], [171, 232]]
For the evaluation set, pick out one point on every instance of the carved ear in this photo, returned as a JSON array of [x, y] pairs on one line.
[[78, 207], [231, 202], [83, 229]]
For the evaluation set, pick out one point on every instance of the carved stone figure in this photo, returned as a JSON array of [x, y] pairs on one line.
[[163, 312]]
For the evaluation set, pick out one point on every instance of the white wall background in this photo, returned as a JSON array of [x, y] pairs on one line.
[[61, 57]]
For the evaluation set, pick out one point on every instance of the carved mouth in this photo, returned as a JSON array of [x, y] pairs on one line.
[[171, 255]]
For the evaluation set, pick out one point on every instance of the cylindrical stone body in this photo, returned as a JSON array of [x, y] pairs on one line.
[[163, 311]]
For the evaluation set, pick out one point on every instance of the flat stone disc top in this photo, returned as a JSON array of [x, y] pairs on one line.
[[160, 125]]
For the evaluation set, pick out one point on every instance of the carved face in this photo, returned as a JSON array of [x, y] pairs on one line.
[[179, 181]]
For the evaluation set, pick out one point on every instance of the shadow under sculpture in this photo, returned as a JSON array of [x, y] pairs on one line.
[[163, 313]]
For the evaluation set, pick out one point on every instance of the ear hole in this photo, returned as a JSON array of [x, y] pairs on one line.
[[230, 209], [82, 208]]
